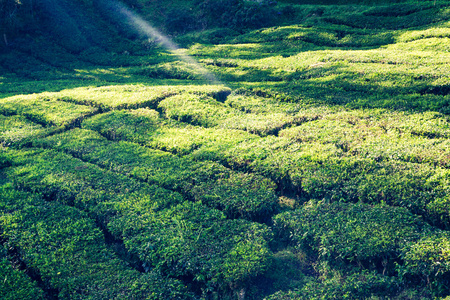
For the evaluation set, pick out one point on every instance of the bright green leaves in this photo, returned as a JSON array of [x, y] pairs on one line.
[[15, 284], [429, 257], [14, 129], [192, 240], [354, 232], [44, 110], [238, 195], [176, 238], [390, 240], [69, 252], [207, 112]]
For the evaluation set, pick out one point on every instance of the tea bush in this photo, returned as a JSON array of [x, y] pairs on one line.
[[16, 284], [147, 127], [237, 13], [44, 110], [338, 284], [137, 215], [15, 129], [427, 259], [69, 252], [122, 160], [353, 232], [169, 171]]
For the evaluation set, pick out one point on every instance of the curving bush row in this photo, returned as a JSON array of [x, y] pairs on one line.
[[67, 250], [345, 284], [16, 128], [348, 156], [207, 112], [388, 240], [192, 178], [132, 95], [16, 284], [44, 110], [148, 128], [172, 237]]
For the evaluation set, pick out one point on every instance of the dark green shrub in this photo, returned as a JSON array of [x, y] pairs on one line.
[[237, 13], [218, 12], [16, 17], [351, 232], [68, 251], [190, 240], [254, 15], [58, 21], [288, 11], [16, 284], [239, 196], [180, 21], [338, 284], [179, 240], [428, 260]]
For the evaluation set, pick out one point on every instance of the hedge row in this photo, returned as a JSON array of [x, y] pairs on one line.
[[321, 171], [239, 195], [44, 110], [131, 96], [15, 129], [68, 251], [348, 284], [16, 284], [403, 137], [148, 128], [386, 239], [376, 156], [207, 112], [175, 238]]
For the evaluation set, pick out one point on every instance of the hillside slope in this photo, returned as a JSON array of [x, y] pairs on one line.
[[305, 156]]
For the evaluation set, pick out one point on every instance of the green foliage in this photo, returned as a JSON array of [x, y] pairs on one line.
[[56, 16], [428, 260], [237, 13], [127, 96], [285, 273], [338, 284], [191, 178], [347, 104], [69, 252], [191, 240], [144, 215], [42, 109], [239, 195], [15, 17], [207, 112], [14, 129], [390, 240], [181, 21], [57, 175], [147, 127], [16, 284], [353, 232]]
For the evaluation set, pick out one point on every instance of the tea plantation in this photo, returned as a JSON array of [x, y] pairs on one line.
[[225, 149]]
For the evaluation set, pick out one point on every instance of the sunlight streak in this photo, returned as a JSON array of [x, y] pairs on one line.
[[143, 27]]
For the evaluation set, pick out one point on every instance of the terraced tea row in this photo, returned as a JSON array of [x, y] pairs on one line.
[[400, 158], [390, 240], [239, 195], [68, 251], [167, 234], [319, 170], [16, 284]]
